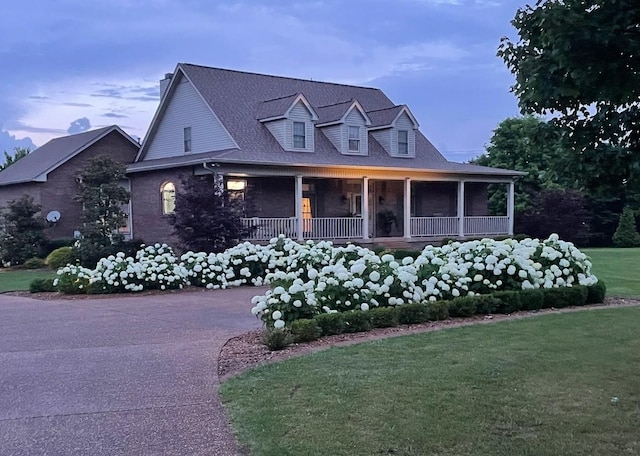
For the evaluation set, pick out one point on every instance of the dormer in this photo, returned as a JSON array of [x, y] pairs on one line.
[[395, 129], [290, 120], [345, 125]]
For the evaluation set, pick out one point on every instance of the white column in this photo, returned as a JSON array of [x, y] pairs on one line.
[[407, 208], [299, 233], [511, 196], [461, 208], [365, 207]]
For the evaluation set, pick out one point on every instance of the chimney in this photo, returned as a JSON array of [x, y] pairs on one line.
[[164, 83]]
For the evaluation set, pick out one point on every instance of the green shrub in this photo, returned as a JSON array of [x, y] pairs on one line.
[[402, 253], [330, 323], [437, 310], [463, 307], [41, 285], [53, 244], [509, 301], [596, 292], [33, 263], [626, 234], [564, 297], [276, 339], [383, 317], [60, 257], [305, 330], [486, 304], [532, 299], [413, 313], [356, 321], [577, 295]]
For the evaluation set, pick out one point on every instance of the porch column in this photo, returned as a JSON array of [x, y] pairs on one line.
[[511, 206], [461, 208], [365, 207], [407, 208], [299, 234]]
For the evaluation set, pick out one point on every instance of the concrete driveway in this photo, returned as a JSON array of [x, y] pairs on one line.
[[134, 375]]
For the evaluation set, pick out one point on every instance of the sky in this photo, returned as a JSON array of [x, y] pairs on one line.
[[71, 65]]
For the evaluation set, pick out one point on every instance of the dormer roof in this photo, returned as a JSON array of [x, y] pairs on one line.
[[387, 117], [336, 113], [279, 108]]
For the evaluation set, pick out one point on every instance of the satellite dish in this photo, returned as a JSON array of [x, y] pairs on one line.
[[53, 216]]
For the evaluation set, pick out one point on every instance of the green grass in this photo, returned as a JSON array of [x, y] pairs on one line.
[[19, 279], [541, 386], [619, 269]]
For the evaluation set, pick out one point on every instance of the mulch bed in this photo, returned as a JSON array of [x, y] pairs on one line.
[[247, 351]]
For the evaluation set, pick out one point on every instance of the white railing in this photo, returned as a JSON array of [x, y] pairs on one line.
[[434, 226], [474, 226], [263, 229], [332, 228]]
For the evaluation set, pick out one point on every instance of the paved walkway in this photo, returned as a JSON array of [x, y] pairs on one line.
[[117, 376]]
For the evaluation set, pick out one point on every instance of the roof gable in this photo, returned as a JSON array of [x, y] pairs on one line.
[[38, 164], [280, 108], [387, 117], [337, 113]]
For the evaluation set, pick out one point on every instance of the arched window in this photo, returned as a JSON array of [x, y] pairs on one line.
[[168, 194]]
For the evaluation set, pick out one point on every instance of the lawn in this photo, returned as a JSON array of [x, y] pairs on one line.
[[542, 386], [619, 269], [19, 279]]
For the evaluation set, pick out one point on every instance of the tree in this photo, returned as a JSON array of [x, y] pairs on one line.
[[627, 234], [526, 144], [18, 153], [579, 61], [102, 196], [23, 234], [206, 218]]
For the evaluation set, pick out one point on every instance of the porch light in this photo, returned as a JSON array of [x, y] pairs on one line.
[[236, 185]]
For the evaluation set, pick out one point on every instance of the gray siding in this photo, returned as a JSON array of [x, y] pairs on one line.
[[403, 123], [278, 129], [384, 138], [299, 113], [354, 118], [334, 134], [187, 109]]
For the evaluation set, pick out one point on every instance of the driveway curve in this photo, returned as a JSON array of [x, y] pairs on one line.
[[125, 375]]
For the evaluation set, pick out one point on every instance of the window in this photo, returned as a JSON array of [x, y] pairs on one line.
[[299, 135], [168, 194], [187, 139], [354, 139], [403, 142]]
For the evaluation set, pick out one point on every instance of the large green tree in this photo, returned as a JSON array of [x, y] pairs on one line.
[[22, 233], [579, 61], [10, 159], [102, 196]]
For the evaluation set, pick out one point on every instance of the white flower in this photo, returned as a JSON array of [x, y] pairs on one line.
[[276, 315], [364, 306], [278, 324]]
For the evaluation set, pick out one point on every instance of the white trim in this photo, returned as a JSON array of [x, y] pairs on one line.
[[460, 209], [365, 207], [407, 208], [298, 202]]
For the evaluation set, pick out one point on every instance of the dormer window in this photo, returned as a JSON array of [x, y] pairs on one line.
[[299, 135], [187, 139], [354, 139], [403, 142]]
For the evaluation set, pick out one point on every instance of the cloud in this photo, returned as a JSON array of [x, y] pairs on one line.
[[24, 127], [114, 115], [79, 125], [8, 142], [77, 105], [37, 97]]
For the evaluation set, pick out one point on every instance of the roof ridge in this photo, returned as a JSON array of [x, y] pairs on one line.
[[280, 98], [278, 77], [338, 103], [385, 109]]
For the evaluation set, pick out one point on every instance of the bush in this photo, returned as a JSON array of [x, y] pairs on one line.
[[276, 339], [53, 244], [383, 317], [413, 313], [305, 330], [626, 234], [437, 310], [579, 295], [402, 253], [565, 297], [330, 323], [60, 257], [532, 299], [33, 263], [486, 304], [21, 231], [41, 285], [463, 307], [596, 293], [356, 321], [509, 301]]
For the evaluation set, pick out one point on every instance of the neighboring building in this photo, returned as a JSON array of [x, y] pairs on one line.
[[311, 160], [49, 174]]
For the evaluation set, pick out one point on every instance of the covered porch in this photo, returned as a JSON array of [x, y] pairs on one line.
[[367, 209]]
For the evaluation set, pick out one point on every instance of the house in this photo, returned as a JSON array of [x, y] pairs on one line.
[[312, 160], [49, 174]]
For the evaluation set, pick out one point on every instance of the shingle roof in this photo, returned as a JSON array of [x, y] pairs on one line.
[[238, 99], [384, 117], [49, 156], [275, 108]]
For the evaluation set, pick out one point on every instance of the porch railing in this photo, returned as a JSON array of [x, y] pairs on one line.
[[263, 229], [333, 228], [434, 226], [489, 225]]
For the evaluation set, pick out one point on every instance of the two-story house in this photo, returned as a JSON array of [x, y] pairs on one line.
[[315, 160]]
